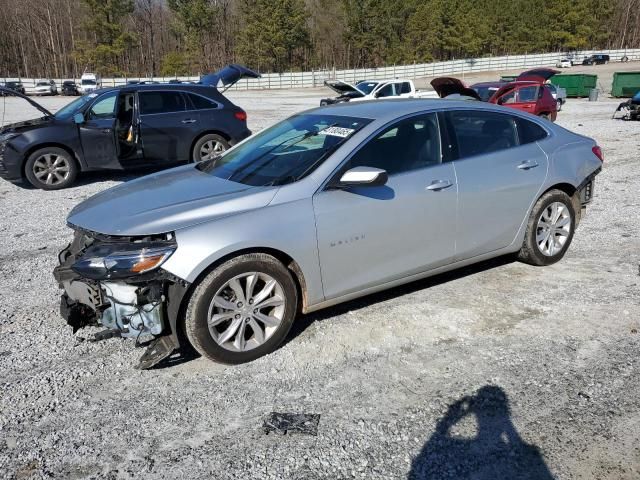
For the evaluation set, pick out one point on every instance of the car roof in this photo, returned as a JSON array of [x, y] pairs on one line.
[[496, 83], [158, 86], [387, 110]]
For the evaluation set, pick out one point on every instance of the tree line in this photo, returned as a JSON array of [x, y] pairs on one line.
[[63, 38]]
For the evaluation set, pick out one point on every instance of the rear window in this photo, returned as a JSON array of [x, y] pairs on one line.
[[160, 102], [479, 133]]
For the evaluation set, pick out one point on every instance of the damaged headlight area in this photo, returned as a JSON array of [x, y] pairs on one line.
[[117, 283], [122, 260]]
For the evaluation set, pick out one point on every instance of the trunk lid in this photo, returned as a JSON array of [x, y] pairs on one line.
[[539, 75], [228, 76], [445, 86]]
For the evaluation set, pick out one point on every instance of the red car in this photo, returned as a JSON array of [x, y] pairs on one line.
[[527, 93]]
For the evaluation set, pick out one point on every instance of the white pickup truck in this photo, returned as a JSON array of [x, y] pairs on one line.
[[374, 89]]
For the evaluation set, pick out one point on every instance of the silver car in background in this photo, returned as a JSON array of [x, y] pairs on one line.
[[329, 205]]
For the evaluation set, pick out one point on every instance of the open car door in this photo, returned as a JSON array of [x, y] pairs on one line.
[[445, 86], [538, 75], [228, 76]]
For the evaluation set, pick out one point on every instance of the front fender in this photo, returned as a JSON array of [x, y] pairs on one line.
[[288, 228]]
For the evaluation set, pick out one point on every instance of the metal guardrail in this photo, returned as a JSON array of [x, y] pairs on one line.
[[413, 71]]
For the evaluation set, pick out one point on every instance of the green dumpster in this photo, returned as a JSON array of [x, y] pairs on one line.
[[508, 78], [576, 84], [625, 84]]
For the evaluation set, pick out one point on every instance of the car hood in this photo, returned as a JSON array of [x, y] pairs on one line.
[[344, 88], [166, 201], [9, 92], [228, 76], [539, 75], [445, 86], [21, 127]]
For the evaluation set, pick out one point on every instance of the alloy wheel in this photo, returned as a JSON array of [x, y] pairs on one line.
[[553, 229], [51, 169], [246, 311], [211, 149]]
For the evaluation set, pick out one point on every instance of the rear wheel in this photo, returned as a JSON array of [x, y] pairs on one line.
[[51, 168], [242, 310], [208, 147], [549, 229]]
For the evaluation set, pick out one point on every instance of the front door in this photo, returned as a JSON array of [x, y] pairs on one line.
[[97, 133], [523, 99], [371, 235], [500, 171], [165, 126]]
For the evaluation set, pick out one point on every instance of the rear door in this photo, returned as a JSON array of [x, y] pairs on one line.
[[97, 133], [500, 170], [166, 128]]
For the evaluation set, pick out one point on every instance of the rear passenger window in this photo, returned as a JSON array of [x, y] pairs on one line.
[[529, 132], [160, 102], [479, 133], [201, 103]]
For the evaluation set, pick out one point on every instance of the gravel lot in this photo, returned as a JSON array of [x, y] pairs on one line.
[[499, 371]]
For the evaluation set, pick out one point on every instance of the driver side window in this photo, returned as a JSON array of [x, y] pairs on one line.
[[410, 144], [104, 107]]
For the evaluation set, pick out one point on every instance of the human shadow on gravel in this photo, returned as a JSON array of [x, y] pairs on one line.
[[495, 452], [303, 322]]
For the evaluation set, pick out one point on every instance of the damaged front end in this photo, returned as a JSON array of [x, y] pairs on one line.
[[117, 283]]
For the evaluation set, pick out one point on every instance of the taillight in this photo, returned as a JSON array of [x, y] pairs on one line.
[[241, 115], [597, 151]]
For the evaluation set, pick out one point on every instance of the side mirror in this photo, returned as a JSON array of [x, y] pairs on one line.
[[78, 118], [363, 176]]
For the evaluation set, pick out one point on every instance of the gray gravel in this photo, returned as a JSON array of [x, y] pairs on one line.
[[502, 370]]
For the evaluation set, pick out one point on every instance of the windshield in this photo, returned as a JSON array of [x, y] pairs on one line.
[[86, 81], [42, 84], [366, 87], [286, 152], [71, 108]]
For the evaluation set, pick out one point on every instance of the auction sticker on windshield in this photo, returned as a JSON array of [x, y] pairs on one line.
[[337, 132]]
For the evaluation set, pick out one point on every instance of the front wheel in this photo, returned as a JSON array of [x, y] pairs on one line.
[[51, 168], [209, 147], [549, 229], [242, 310]]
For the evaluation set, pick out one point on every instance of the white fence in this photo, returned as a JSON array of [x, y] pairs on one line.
[[417, 70]]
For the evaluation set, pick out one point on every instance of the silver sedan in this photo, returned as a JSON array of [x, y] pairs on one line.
[[326, 206]]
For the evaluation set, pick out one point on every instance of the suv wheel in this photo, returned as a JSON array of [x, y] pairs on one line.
[[549, 229], [51, 168], [208, 147], [242, 310]]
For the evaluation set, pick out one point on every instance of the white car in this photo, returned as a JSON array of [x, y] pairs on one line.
[[564, 63], [374, 89], [45, 87], [89, 82]]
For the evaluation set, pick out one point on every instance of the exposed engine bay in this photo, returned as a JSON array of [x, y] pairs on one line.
[[114, 282]]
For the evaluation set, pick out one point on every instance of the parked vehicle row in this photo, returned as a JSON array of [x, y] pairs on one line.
[[329, 205], [124, 127]]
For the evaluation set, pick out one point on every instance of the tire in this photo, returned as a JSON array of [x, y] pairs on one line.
[[227, 346], [62, 169], [559, 102], [542, 253], [216, 145]]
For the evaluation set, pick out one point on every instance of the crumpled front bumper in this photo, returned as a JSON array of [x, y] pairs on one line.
[[144, 307]]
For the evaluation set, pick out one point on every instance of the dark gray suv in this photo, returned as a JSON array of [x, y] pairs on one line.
[[124, 127]]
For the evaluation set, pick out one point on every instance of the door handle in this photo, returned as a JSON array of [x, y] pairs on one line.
[[189, 120], [438, 185], [529, 164]]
